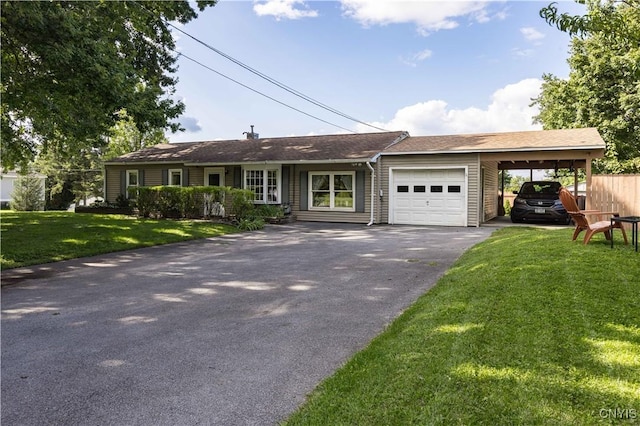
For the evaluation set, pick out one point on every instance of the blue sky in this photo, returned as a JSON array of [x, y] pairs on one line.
[[427, 67]]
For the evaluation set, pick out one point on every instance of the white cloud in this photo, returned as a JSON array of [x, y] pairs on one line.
[[509, 110], [413, 60], [531, 34], [428, 16], [284, 9], [522, 52]]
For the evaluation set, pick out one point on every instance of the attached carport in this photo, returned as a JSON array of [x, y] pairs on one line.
[[454, 179]]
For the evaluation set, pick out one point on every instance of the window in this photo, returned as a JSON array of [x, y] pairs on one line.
[[332, 190], [264, 183], [175, 177], [419, 188], [214, 176], [454, 188], [436, 188], [403, 188], [132, 180]]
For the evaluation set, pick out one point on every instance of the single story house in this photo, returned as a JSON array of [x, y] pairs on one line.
[[386, 177]]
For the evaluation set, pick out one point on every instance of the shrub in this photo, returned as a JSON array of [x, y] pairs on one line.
[[269, 210], [242, 203], [250, 224], [122, 202], [193, 201], [507, 208], [145, 199], [169, 201]]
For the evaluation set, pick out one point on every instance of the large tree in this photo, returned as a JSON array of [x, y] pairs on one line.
[[603, 88], [69, 67], [125, 137]]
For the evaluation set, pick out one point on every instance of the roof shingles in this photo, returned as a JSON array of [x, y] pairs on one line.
[[501, 142], [358, 147]]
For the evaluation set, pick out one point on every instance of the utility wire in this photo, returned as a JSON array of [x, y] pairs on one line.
[[265, 77], [262, 94]]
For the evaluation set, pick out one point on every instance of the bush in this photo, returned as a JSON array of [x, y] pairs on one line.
[[250, 224], [169, 201], [242, 203], [193, 201], [122, 202], [269, 211], [507, 208]]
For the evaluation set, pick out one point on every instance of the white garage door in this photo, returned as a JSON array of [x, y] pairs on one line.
[[429, 197]]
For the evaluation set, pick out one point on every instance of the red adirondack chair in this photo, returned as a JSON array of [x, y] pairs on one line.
[[582, 224]]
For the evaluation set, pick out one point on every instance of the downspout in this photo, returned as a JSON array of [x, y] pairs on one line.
[[373, 191]]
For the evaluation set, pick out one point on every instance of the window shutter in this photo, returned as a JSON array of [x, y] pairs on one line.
[[285, 185], [185, 176], [140, 177], [304, 191], [165, 177], [360, 196], [123, 182], [237, 177]]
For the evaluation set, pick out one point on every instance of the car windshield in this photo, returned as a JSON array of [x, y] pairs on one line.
[[531, 188]]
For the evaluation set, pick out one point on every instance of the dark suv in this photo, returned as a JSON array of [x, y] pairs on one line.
[[539, 201]]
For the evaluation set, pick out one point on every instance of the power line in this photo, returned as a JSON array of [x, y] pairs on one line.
[[265, 77], [260, 93]]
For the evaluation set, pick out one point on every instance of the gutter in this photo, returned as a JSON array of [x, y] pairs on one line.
[[373, 192]]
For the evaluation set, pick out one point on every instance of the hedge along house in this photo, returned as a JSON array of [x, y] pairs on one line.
[[369, 178]]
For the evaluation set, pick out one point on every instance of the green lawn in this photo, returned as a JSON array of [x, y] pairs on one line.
[[30, 238], [527, 327]]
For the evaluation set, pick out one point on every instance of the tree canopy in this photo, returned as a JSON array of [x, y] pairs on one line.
[[603, 88], [68, 68], [125, 137]]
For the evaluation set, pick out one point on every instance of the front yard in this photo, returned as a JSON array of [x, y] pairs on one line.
[[30, 238], [526, 328]]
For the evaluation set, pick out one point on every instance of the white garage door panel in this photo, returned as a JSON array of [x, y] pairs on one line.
[[429, 197]]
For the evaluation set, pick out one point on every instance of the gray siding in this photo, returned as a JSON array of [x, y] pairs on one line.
[[327, 216], [152, 177], [195, 177], [433, 161]]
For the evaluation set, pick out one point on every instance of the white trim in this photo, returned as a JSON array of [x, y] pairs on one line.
[[265, 168], [169, 176], [128, 180], [213, 170], [331, 174], [393, 170]]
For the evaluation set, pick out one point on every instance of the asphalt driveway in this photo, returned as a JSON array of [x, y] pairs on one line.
[[229, 330]]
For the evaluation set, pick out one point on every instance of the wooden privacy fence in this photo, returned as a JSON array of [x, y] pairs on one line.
[[620, 193]]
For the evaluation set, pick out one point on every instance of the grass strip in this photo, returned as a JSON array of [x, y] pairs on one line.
[[527, 327], [30, 238]]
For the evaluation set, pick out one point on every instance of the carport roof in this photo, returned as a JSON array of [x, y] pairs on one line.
[[541, 140], [325, 148]]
